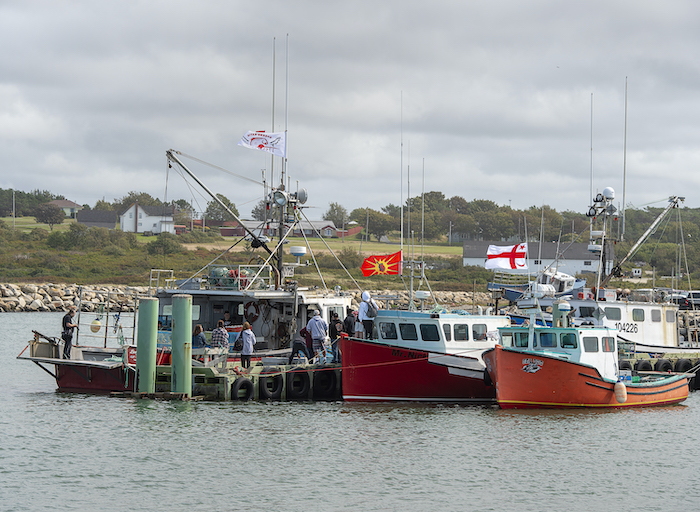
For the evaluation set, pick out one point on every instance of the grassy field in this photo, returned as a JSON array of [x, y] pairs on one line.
[[26, 224], [337, 246]]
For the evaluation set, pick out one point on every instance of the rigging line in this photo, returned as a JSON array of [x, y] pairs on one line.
[[192, 190], [328, 247], [313, 256], [219, 168], [666, 223]]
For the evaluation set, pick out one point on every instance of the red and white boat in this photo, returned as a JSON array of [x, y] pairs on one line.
[[572, 367], [415, 356]]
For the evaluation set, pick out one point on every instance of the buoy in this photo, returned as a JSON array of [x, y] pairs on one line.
[[95, 325], [620, 392]]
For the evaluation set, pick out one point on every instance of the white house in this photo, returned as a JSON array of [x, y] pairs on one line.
[[576, 260], [141, 219]]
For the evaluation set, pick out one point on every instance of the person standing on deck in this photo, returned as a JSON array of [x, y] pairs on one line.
[[318, 328], [67, 333], [248, 339], [365, 315], [219, 336]]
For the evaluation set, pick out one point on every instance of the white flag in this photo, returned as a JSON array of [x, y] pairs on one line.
[[510, 257], [271, 142]]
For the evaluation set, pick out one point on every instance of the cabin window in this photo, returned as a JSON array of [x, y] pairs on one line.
[[521, 339], [507, 339], [479, 332], [590, 344], [655, 315], [637, 315], [670, 316], [568, 340], [548, 339], [429, 332], [387, 330], [408, 332], [447, 329], [586, 311], [613, 313], [461, 332], [608, 344]]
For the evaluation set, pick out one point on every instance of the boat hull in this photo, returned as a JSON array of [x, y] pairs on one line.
[[378, 372], [76, 378], [532, 380]]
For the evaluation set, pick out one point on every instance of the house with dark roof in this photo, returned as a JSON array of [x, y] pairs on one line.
[[148, 219], [69, 207], [97, 218], [576, 258]]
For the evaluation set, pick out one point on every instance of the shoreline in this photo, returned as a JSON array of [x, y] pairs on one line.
[[55, 297]]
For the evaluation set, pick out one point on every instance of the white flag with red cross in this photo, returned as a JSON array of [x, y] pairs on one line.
[[511, 257]]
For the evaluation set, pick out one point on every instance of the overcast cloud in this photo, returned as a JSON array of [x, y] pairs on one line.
[[492, 99]]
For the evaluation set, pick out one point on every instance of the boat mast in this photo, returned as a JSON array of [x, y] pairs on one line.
[[624, 170]]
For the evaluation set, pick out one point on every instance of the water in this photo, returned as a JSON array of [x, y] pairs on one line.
[[82, 452]]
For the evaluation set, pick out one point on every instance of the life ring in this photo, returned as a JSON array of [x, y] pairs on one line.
[[298, 384], [277, 381], [324, 384], [246, 385], [252, 312]]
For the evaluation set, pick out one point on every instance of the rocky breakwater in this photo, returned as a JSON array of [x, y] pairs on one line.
[[451, 300], [60, 297]]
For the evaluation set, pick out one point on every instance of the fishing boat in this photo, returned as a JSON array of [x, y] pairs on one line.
[[636, 322], [103, 356], [564, 366], [421, 356], [262, 293]]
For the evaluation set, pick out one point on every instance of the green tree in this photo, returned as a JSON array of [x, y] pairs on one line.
[[214, 210], [379, 223], [260, 211], [336, 214], [165, 243], [144, 199], [102, 205], [49, 214]]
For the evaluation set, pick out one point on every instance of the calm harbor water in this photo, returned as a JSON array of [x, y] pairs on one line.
[[82, 452]]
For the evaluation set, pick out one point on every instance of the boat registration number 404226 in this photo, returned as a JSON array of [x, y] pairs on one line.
[[627, 327]]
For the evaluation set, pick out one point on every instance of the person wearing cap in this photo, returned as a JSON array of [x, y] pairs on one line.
[[363, 316], [67, 332], [318, 328]]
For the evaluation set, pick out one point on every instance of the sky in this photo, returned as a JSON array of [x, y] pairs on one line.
[[521, 103]]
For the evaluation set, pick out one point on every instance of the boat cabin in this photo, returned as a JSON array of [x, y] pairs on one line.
[[592, 346], [438, 332]]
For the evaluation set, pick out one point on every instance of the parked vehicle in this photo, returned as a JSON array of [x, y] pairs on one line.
[[692, 300]]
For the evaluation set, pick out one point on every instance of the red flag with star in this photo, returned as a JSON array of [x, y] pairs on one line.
[[389, 264]]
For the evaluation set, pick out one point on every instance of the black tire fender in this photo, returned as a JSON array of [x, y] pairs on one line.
[[244, 384], [271, 375], [301, 377], [663, 365], [644, 365], [325, 382]]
